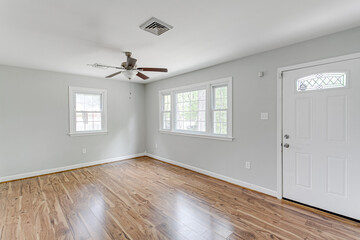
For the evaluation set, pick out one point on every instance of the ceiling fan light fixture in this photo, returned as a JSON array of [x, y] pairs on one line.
[[129, 74]]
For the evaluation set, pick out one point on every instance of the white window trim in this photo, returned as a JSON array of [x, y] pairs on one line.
[[72, 92], [209, 109]]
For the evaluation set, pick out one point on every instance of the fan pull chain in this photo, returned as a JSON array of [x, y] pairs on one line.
[[129, 90]]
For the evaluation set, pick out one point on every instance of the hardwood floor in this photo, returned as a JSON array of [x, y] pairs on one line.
[[146, 199]]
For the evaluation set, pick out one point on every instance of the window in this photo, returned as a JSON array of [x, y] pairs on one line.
[[321, 81], [87, 110], [203, 110]]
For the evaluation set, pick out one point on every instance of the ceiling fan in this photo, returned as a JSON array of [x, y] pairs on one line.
[[129, 68]]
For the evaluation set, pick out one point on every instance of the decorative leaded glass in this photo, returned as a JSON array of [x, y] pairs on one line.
[[321, 81]]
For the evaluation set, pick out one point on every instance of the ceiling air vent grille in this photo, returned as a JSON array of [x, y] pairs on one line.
[[155, 26]]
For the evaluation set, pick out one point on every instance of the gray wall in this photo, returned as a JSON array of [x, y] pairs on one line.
[[34, 121], [255, 140]]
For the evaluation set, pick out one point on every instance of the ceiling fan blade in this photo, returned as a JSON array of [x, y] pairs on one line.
[[112, 75], [153, 69], [143, 76], [131, 62]]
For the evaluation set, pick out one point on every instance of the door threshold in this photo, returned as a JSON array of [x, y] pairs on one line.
[[325, 212]]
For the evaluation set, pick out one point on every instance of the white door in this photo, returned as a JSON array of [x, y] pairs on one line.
[[321, 142]]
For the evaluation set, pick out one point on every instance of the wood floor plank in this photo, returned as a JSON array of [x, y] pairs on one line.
[[56, 220], [144, 198]]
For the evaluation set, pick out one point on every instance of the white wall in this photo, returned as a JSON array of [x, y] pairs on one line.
[[34, 121], [255, 140]]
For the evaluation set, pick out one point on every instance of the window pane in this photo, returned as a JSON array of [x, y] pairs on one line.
[[217, 128], [223, 129], [220, 97], [96, 103], [180, 107], [79, 117], [80, 126], [202, 117], [97, 117], [202, 127], [220, 116], [166, 116], [220, 122], [97, 125], [90, 117], [202, 95], [166, 124], [202, 105], [88, 102], [191, 111], [166, 119], [79, 98], [87, 121], [167, 103], [82, 117], [89, 126]]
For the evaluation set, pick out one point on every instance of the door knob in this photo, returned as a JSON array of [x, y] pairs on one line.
[[286, 136], [286, 145]]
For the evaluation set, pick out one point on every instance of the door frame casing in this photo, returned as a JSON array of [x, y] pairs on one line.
[[279, 108]]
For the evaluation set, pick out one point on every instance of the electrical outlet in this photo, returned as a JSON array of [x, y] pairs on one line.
[[247, 165], [155, 145], [264, 116], [84, 150]]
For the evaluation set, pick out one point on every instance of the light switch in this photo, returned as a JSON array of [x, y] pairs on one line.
[[264, 116]]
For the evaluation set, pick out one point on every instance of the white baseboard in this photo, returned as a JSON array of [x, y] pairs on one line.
[[70, 167], [109, 160], [218, 176]]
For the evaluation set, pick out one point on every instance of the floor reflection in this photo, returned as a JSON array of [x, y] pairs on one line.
[[199, 220]]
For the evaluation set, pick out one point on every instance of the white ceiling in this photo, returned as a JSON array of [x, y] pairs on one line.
[[66, 35]]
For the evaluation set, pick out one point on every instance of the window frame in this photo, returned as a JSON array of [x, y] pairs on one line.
[[209, 87], [72, 110]]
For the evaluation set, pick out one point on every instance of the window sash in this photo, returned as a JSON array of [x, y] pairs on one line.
[[86, 105], [86, 121], [215, 110]]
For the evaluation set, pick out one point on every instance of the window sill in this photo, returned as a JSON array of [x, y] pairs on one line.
[[79, 134], [214, 137]]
